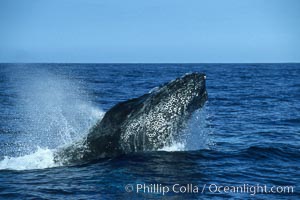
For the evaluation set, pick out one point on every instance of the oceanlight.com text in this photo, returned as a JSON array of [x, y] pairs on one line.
[[176, 188]]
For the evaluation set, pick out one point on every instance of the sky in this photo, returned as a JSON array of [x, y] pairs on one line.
[[150, 31]]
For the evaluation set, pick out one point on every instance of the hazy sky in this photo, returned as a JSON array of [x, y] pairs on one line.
[[150, 31]]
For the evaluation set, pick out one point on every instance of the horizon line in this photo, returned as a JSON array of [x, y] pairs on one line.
[[149, 62]]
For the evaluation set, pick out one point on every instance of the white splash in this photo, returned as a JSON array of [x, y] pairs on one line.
[[196, 136], [176, 146], [40, 159], [198, 132], [54, 111]]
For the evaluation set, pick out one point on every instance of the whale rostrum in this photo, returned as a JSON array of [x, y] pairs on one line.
[[147, 123]]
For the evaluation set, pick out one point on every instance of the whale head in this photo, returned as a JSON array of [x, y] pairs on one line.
[[146, 123], [161, 115], [187, 93]]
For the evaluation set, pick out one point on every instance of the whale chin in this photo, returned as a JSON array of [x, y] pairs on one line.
[[147, 123]]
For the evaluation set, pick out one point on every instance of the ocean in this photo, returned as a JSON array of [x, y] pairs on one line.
[[244, 143]]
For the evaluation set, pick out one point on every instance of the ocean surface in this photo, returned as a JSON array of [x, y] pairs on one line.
[[245, 139]]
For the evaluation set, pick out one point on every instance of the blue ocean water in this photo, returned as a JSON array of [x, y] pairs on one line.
[[248, 133]]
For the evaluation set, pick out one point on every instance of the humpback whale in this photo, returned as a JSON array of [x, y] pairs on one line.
[[147, 123]]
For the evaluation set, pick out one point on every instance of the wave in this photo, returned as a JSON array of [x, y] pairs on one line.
[[278, 151]]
